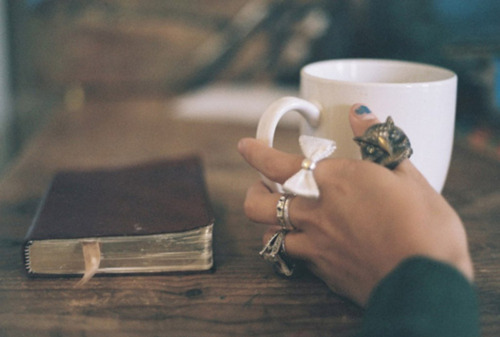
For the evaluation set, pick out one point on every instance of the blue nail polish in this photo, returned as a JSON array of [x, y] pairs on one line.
[[362, 109]]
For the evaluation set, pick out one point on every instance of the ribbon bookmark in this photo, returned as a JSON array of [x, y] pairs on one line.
[[314, 149], [92, 256]]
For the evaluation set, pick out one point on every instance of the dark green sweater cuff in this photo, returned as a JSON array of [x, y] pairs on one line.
[[422, 297]]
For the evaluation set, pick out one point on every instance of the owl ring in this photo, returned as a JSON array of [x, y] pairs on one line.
[[384, 144]]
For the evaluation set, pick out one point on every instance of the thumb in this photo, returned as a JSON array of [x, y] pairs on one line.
[[361, 118]]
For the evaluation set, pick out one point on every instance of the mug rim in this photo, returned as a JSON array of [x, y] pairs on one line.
[[440, 74]]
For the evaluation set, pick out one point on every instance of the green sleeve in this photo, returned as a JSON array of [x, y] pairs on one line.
[[422, 297]]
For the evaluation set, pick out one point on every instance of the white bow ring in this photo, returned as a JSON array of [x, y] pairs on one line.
[[314, 149]]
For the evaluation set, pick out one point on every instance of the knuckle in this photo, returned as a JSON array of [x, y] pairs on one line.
[[350, 167], [249, 207]]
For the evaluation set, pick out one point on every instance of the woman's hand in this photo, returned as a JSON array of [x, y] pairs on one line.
[[367, 220]]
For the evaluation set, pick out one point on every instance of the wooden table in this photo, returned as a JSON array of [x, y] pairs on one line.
[[243, 297]]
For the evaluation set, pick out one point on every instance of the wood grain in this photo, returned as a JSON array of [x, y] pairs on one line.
[[242, 297]]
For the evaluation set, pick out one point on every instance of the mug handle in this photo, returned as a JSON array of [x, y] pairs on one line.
[[270, 118]]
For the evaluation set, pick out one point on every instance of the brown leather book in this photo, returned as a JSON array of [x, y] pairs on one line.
[[154, 217]]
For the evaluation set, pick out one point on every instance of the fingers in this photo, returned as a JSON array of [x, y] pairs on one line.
[[274, 164], [260, 203], [279, 166]]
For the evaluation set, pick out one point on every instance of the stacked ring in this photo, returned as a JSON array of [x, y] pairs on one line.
[[275, 253], [282, 211]]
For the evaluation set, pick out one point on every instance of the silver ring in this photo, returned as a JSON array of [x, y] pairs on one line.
[[286, 213], [283, 213], [384, 144], [274, 252]]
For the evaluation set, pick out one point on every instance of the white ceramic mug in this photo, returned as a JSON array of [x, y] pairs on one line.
[[420, 98]]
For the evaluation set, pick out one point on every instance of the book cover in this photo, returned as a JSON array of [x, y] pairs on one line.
[[152, 217]]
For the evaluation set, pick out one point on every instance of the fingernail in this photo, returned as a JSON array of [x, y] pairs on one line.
[[241, 145], [362, 110]]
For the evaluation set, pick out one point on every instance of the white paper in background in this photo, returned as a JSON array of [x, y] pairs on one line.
[[232, 103]]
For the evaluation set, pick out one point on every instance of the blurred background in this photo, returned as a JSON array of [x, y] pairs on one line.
[[67, 52]]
